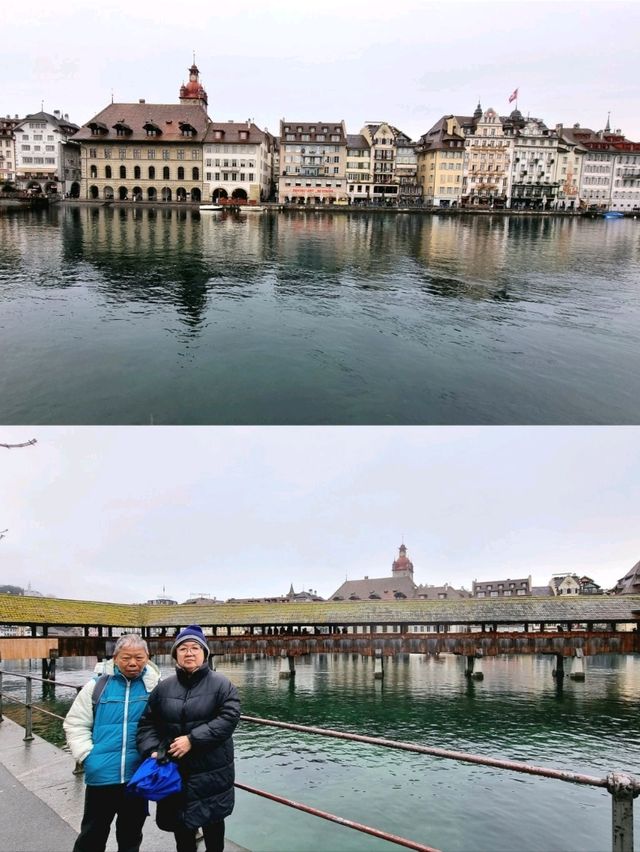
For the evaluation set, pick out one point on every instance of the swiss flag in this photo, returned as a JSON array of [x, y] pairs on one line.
[[513, 95]]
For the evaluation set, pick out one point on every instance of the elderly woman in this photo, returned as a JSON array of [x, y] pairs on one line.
[[193, 715], [101, 732]]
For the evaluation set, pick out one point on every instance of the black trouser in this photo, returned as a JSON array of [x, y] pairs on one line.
[[101, 805], [213, 838]]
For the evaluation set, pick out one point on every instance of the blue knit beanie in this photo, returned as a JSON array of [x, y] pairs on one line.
[[194, 633]]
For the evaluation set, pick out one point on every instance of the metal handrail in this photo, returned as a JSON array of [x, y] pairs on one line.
[[348, 823], [29, 705], [513, 765], [623, 787]]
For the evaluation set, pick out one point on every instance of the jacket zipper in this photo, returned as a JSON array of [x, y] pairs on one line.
[[123, 756]]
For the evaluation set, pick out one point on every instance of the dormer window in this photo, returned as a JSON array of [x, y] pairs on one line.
[[244, 134], [151, 129], [98, 128], [187, 129], [122, 128], [218, 134]]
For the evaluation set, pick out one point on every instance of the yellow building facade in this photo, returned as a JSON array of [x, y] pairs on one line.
[[146, 152], [441, 156]]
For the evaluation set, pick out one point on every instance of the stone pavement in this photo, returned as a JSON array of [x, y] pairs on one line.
[[41, 801]]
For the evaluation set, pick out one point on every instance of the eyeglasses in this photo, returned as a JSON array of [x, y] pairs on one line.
[[189, 649]]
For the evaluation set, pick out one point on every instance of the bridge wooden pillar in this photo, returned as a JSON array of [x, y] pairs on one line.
[[378, 668], [471, 670], [559, 669], [577, 668], [49, 666], [287, 666]]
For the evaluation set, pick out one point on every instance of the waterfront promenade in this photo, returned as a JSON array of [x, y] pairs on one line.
[[41, 800]]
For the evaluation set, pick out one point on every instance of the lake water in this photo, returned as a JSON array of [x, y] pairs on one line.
[[517, 712], [134, 316]]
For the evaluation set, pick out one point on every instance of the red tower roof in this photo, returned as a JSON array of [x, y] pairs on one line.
[[402, 563]]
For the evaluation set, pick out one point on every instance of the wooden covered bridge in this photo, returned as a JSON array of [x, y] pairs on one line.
[[562, 626]]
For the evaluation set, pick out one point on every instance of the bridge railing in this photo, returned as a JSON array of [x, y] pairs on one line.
[[623, 787]]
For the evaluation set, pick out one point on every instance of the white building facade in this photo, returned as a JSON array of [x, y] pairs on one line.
[[534, 183], [238, 162], [487, 163], [47, 160]]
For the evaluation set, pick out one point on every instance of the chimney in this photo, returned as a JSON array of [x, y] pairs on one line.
[[66, 116], [141, 101], [56, 112]]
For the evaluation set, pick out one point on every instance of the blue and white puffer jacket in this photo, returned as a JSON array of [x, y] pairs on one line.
[[106, 741]]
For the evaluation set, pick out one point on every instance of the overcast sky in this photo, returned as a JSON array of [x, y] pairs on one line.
[[117, 513], [404, 61]]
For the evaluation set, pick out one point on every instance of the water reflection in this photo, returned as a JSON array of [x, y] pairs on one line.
[[314, 318], [518, 711]]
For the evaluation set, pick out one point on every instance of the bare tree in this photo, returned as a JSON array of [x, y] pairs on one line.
[[29, 443]]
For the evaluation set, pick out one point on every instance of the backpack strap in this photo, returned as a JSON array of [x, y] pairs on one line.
[[98, 689]]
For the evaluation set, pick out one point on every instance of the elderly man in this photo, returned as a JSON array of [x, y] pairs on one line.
[[101, 732]]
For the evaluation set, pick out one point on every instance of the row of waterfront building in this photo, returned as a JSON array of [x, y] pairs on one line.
[[176, 152]]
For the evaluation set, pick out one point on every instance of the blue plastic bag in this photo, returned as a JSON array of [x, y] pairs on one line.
[[155, 780]]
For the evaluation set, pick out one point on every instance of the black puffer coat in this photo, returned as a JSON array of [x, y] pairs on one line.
[[205, 706]]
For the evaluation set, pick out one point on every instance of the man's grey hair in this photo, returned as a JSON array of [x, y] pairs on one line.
[[131, 640]]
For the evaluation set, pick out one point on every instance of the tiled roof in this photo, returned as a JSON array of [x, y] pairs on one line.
[[25, 610], [288, 128], [630, 583], [433, 593], [231, 131], [384, 587], [166, 116], [18, 609], [356, 140], [63, 124]]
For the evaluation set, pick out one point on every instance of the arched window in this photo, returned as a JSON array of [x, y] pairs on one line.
[[165, 173], [152, 172], [107, 171], [93, 171], [195, 173], [180, 173], [136, 172], [123, 172]]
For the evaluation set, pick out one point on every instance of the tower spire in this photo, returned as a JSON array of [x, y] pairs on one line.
[[194, 92], [607, 128]]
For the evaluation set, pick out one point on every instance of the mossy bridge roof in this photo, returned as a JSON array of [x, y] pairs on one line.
[[16, 610]]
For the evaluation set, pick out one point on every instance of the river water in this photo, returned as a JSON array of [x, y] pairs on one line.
[[517, 712], [133, 316]]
